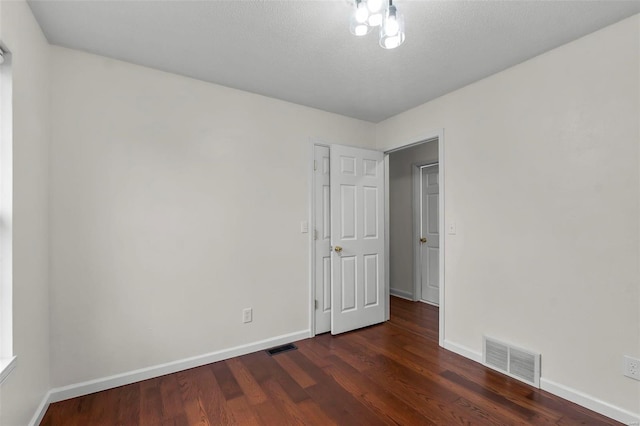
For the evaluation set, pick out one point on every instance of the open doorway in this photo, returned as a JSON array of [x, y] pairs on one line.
[[403, 244], [426, 191], [415, 224], [348, 244]]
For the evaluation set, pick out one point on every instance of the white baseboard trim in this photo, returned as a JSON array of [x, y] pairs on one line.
[[588, 401], [463, 350], [7, 365], [42, 408], [565, 392], [97, 385], [401, 294]]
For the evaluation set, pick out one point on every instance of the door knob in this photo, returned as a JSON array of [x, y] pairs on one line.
[[338, 249], [423, 240]]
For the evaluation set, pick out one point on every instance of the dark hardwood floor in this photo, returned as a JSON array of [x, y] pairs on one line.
[[393, 373]]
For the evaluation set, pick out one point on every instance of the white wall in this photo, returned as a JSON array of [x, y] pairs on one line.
[[170, 213], [27, 385], [175, 204], [542, 180], [401, 237]]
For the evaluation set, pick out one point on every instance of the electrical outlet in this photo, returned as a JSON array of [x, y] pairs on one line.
[[632, 367], [452, 228], [247, 315]]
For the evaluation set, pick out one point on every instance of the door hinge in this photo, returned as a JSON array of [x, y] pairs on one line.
[[315, 165], [315, 304], [315, 234]]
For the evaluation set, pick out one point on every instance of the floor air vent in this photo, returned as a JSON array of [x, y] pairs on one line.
[[515, 362], [279, 349]]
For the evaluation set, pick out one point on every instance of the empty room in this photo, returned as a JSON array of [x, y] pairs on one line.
[[319, 212]]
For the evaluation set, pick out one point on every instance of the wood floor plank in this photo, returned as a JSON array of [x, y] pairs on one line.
[[129, 405], [269, 414], [178, 420], [495, 397], [172, 407], [101, 412], [379, 399], [314, 352], [264, 368], [478, 415], [251, 389], [150, 402], [342, 407], [314, 414], [299, 375], [193, 404], [211, 396], [388, 374], [228, 383], [284, 403], [242, 412]]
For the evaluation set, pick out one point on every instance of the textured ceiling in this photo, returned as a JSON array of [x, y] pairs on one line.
[[302, 51]]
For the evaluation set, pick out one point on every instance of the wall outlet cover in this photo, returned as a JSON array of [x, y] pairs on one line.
[[247, 315], [631, 367]]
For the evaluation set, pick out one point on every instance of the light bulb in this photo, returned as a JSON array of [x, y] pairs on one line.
[[357, 28], [361, 30], [387, 42], [375, 19], [391, 26], [361, 13], [374, 5], [391, 42], [392, 30]]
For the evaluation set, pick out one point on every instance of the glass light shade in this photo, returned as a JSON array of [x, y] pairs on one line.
[[358, 28], [375, 6], [392, 42], [361, 13], [375, 19], [391, 26], [392, 30]]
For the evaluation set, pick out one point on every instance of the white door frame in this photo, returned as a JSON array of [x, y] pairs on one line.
[[438, 134], [311, 236], [417, 197], [357, 187], [429, 136]]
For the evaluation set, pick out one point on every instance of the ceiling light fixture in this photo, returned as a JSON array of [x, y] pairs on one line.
[[376, 12], [359, 22], [368, 14], [392, 30]]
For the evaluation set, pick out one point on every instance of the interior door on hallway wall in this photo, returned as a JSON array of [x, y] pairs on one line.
[[357, 238], [429, 234], [322, 239]]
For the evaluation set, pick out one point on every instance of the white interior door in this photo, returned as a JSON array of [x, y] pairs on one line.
[[357, 238], [322, 239], [429, 235]]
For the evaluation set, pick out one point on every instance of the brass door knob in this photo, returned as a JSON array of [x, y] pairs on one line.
[[423, 240], [338, 249]]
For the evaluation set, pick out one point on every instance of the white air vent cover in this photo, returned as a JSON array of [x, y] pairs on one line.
[[515, 362]]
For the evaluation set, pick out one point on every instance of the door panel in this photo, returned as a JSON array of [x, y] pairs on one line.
[[357, 217], [325, 293], [370, 212], [347, 206], [429, 251], [371, 281], [322, 235], [348, 265]]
